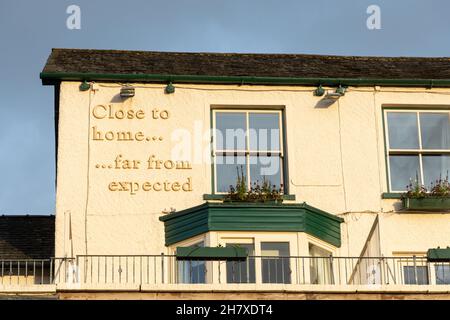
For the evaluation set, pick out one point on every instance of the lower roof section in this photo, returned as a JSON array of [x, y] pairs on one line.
[[210, 216], [27, 237]]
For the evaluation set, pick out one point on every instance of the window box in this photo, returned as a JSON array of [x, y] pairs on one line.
[[257, 201], [427, 203], [221, 197], [438, 254], [211, 253]]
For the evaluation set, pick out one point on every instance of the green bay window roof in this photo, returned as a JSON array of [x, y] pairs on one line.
[[243, 68], [209, 216]]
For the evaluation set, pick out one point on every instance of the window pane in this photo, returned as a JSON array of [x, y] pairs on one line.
[[264, 131], [404, 169], [402, 128], [226, 171], [435, 130], [191, 271], [275, 249], [242, 271], [230, 130], [320, 268], [264, 167], [274, 268], [415, 275], [435, 167], [442, 274]]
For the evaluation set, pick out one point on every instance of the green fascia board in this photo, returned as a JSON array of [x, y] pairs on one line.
[[50, 78], [438, 254], [209, 216], [186, 226], [211, 253]]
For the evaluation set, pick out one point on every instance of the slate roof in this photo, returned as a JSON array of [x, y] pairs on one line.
[[238, 64], [27, 237]]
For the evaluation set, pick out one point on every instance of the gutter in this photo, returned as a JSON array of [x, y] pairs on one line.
[[51, 78]]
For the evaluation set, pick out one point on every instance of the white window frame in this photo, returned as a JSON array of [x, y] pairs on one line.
[[420, 152], [203, 238], [246, 241], [410, 256], [247, 153]]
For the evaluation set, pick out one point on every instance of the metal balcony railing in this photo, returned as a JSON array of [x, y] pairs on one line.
[[166, 269], [26, 271]]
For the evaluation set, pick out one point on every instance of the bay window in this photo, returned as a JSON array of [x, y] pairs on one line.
[[242, 271], [442, 273], [275, 262], [321, 269], [192, 271]]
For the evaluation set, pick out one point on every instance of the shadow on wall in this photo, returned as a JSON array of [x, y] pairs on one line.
[[324, 103]]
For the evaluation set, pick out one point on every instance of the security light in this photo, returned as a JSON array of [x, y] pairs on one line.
[[340, 91], [169, 88], [85, 86], [319, 91], [330, 97], [127, 92]]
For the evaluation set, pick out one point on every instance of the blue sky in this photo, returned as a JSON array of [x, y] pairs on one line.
[[29, 29]]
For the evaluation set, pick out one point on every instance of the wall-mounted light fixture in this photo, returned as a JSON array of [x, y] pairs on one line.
[[319, 91], [330, 96], [340, 90], [169, 88], [85, 86], [334, 95], [127, 92]]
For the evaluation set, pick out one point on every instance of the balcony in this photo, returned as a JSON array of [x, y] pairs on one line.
[[156, 273]]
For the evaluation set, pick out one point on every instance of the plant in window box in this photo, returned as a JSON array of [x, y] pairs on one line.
[[418, 197], [257, 193], [441, 188]]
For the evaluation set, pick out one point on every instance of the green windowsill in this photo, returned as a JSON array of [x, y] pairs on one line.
[[391, 195], [222, 196]]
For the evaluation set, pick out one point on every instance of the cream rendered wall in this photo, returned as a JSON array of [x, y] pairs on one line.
[[336, 162]]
